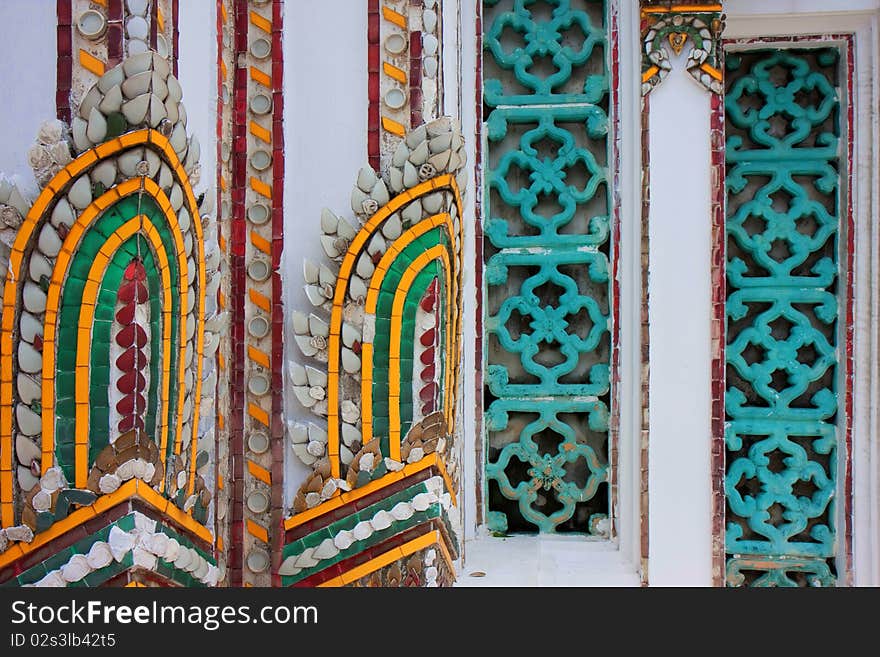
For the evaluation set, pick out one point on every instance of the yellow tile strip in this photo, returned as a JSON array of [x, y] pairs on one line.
[[650, 73], [84, 339], [395, 249], [681, 9], [260, 132], [260, 472], [360, 240], [258, 531], [261, 188], [395, 17], [262, 78], [259, 357], [393, 72], [160, 19], [261, 243], [431, 460], [260, 300], [393, 127], [409, 276], [410, 547], [711, 70], [258, 413], [91, 63], [131, 489], [263, 23]]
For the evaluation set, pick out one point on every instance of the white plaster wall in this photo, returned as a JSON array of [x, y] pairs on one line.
[[28, 55], [325, 144], [197, 73], [680, 312]]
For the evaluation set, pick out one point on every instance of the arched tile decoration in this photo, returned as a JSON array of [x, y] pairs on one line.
[[360, 367], [116, 249]]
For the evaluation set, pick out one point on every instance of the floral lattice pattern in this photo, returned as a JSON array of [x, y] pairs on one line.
[[782, 309]]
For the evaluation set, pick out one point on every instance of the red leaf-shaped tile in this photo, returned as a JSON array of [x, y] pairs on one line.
[[135, 271], [429, 392], [132, 291], [125, 316], [131, 359], [427, 338], [428, 373], [133, 334], [131, 422], [428, 408], [131, 382], [133, 403], [427, 357]]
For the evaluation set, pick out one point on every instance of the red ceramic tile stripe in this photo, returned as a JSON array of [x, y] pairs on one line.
[[175, 38], [850, 300], [367, 500], [362, 557], [373, 57], [114, 33], [644, 341], [415, 78], [154, 23], [238, 293], [220, 133], [277, 416], [64, 70], [718, 333], [614, 153]]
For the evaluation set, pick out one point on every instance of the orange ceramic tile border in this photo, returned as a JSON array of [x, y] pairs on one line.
[[84, 340], [674, 9], [10, 294], [711, 70], [262, 78], [55, 187], [260, 300], [410, 547], [258, 531], [259, 472], [261, 133], [71, 243], [130, 490], [393, 127], [394, 17], [261, 188], [446, 181], [432, 460], [394, 249], [438, 252], [91, 63], [394, 73], [262, 23], [650, 73], [258, 356]]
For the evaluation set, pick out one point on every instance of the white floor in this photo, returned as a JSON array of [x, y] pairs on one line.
[[543, 561]]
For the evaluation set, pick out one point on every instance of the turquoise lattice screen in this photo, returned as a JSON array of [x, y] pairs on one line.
[[784, 298], [547, 302]]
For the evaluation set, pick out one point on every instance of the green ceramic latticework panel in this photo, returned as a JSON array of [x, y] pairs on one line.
[[547, 265], [783, 309], [105, 308]]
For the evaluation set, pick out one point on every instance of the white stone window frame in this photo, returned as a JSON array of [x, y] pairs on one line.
[[757, 19]]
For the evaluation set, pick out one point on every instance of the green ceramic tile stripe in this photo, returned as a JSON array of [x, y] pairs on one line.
[[782, 270], [69, 309], [560, 61], [348, 523], [100, 372], [100, 576], [390, 284]]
